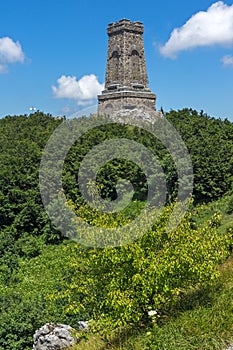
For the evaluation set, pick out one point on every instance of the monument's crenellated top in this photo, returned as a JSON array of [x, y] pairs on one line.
[[125, 25]]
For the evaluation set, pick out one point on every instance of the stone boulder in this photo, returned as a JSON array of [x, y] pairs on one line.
[[55, 337]]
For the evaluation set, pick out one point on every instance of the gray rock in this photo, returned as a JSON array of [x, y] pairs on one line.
[[230, 347], [54, 337], [83, 325]]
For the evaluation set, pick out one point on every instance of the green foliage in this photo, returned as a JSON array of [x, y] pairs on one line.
[[210, 143], [230, 206], [43, 279], [25, 228], [116, 169], [26, 301], [200, 320], [21, 143], [24, 224], [120, 285]]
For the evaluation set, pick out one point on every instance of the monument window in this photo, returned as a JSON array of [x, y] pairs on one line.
[[115, 65], [135, 65]]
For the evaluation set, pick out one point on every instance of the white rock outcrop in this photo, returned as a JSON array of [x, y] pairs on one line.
[[54, 337]]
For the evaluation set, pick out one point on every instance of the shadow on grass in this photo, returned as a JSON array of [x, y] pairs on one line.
[[191, 300], [121, 336]]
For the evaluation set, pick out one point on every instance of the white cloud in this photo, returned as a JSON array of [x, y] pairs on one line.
[[83, 91], [10, 52], [227, 60], [213, 27]]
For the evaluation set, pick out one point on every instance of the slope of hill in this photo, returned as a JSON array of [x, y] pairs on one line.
[[40, 270]]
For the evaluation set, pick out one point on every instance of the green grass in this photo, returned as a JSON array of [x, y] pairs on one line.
[[202, 213], [204, 321]]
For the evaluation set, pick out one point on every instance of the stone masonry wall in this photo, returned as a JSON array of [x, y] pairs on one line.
[[126, 54], [126, 83]]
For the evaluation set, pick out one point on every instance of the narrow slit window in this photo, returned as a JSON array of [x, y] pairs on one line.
[[135, 66], [115, 65]]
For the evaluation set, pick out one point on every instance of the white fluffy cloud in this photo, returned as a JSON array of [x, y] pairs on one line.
[[211, 27], [83, 91], [227, 60], [10, 52]]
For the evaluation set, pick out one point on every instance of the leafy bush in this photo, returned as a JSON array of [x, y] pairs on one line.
[[121, 285]]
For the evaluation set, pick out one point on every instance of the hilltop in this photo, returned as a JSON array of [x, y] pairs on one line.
[[44, 276]]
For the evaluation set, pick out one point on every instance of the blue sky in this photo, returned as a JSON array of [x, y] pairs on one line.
[[53, 53]]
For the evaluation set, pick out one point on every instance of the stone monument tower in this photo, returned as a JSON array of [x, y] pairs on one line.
[[126, 82]]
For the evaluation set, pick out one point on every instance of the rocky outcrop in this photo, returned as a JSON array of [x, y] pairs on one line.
[[57, 336]]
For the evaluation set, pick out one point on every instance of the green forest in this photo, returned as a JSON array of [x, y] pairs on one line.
[[184, 275]]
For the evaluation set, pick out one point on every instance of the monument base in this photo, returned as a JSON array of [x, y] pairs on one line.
[[111, 102]]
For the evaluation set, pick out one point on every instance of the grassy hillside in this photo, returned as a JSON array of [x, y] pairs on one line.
[[45, 277], [201, 319]]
